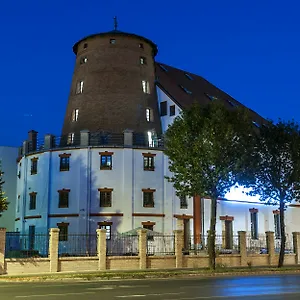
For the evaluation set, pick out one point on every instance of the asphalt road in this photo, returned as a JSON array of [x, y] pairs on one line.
[[233, 288]]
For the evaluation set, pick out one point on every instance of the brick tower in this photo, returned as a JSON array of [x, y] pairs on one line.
[[113, 85]]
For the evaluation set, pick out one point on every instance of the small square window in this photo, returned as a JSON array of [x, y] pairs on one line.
[[106, 162], [149, 114], [141, 46], [112, 41], [163, 108], [63, 201], [148, 198], [32, 201], [34, 165], [143, 60], [186, 90], [105, 198], [172, 110], [63, 232], [75, 114], [64, 163], [79, 87], [146, 87], [83, 60], [149, 163], [85, 45]]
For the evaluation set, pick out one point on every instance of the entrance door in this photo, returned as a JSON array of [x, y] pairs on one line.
[[228, 235], [31, 237]]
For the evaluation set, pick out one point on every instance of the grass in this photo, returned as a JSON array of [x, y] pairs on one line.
[[108, 275]]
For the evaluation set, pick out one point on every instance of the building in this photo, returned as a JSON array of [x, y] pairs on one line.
[[8, 156], [108, 168]]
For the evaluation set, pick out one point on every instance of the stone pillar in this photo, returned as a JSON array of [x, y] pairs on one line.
[[84, 138], [53, 249], [296, 243], [25, 147], [128, 138], [180, 224], [101, 249], [179, 244], [32, 139], [2, 250], [243, 247], [143, 248], [271, 247], [49, 141]]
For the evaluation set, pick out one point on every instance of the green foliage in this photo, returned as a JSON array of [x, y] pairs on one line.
[[208, 147], [3, 199]]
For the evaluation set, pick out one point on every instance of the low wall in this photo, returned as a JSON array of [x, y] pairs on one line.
[[27, 265], [161, 262], [69, 264], [122, 263]]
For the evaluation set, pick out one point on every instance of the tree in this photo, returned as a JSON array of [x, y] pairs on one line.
[[277, 172], [207, 149], [3, 199]]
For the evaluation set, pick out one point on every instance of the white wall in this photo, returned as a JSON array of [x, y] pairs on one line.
[[8, 158]]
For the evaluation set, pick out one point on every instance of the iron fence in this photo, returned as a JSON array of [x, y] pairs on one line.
[[122, 245], [160, 245], [26, 245], [289, 248], [198, 244], [227, 244], [78, 245], [256, 246]]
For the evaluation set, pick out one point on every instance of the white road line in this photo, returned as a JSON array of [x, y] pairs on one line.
[[146, 295], [56, 295]]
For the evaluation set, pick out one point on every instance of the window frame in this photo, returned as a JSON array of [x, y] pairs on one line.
[[148, 193], [146, 87], [149, 161], [106, 155], [163, 108], [32, 200], [143, 60], [254, 223], [79, 87], [63, 167], [34, 166], [106, 226], [75, 115], [63, 234], [62, 193], [104, 200], [172, 110]]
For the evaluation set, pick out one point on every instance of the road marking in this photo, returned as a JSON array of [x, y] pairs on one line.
[[146, 295], [58, 295]]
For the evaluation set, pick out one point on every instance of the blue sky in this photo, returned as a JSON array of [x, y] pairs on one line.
[[250, 49]]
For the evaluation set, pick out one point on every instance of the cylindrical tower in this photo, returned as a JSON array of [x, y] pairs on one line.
[[113, 85]]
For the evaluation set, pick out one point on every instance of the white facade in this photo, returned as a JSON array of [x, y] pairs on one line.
[[8, 157]]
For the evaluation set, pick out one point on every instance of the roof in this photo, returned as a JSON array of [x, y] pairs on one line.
[[186, 88], [117, 33]]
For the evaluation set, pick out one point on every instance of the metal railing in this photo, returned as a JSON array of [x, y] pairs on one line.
[[26, 245], [122, 245], [256, 246], [78, 245], [198, 244], [289, 248], [160, 244]]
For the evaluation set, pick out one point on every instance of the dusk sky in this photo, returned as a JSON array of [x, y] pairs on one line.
[[249, 49]]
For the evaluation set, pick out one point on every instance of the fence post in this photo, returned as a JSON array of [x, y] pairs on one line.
[[53, 249], [271, 247], [101, 249], [143, 248], [2, 250], [296, 243], [179, 244], [243, 247]]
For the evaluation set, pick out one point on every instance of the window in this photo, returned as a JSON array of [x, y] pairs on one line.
[[143, 60], [107, 227], [183, 202], [85, 45], [186, 90], [255, 124], [254, 224], [71, 138], [148, 198], [32, 201], [163, 108], [63, 198], [189, 76], [105, 197], [83, 60], [212, 98], [112, 41], [106, 160], [164, 68], [64, 162], [172, 110], [75, 114], [146, 87], [63, 231], [18, 205], [149, 115], [277, 224], [141, 46], [148, 227], [34, 164], [148, 161], [232, 103], [79, 87]]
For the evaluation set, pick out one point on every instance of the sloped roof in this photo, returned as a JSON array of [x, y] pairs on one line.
[[186, 88]]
